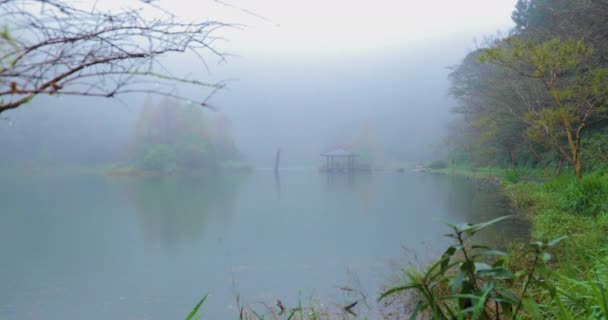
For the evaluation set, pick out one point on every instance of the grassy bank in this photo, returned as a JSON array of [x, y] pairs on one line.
[[561, 274], [554, 205], [565, 205], [508, 174]]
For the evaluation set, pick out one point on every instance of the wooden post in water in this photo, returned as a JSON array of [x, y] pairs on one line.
[[452, 167], [277, 161]]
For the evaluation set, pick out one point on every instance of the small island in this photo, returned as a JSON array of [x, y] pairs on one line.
[[175, 139]]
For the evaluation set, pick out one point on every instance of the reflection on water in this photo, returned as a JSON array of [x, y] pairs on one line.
[[277, 183], [177, 209], [480, 201], [96, 248]]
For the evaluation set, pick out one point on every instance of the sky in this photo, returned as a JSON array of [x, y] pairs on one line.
[[306, 75], [337, 27]]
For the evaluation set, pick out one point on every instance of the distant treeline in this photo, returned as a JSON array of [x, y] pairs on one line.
[[539, 96]]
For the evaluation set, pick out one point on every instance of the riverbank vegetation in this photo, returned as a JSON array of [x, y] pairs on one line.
[[533, 113], [560, 274], [538, 97]]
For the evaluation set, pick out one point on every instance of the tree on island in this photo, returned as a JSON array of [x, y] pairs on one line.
[[170, 136]]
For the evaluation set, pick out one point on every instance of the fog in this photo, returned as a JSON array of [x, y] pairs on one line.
[[302, 78], [135, 206]]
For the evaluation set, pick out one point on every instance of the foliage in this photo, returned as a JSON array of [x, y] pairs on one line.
[[589, 196], [170, 137], [481, 283], [194, 314], [595, 150], [511, 176], [565, 205], [539, 96], [281, 312], [576, 96]]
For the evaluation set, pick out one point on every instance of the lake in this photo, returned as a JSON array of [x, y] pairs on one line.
[[93, 247]]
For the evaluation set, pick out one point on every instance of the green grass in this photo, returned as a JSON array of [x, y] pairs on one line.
[[513, 175], [571, 281]]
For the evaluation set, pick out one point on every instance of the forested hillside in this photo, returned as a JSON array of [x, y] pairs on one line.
[[537, 97]]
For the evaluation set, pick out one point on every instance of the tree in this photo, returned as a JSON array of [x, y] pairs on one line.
[[568, 19], [578, 91], [493, 101], [170, 136], [54, 47]]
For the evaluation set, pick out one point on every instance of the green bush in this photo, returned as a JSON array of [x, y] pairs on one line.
[[478, 282], [586, 196], [512, 176], [595, 149]]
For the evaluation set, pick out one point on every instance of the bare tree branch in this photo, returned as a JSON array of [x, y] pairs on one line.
[[52, 47]]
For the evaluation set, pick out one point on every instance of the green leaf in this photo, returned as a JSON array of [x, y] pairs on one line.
[[398, 289], [480, 226], [507, 295], [480, 247], [490, 253], [545, 256], [468, 266], [419, 306], [446, 258], [195, 309], [464, 227], [481, 266], [456, 284], [538, 244], [496, 273], [532, 308], [480, 301], [555, 241]]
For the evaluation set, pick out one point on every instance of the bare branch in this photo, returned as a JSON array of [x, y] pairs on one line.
[[52, 47]]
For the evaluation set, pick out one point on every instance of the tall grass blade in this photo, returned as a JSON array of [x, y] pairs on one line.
[[195, 309]]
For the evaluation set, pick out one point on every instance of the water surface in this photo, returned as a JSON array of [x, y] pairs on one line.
[[91, 247]]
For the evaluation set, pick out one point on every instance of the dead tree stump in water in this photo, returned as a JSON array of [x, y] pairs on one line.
[[277, 160]]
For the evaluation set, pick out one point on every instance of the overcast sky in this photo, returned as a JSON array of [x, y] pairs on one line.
[[330, 27]]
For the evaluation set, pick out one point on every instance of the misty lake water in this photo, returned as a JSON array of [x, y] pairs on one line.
[[93, 247]]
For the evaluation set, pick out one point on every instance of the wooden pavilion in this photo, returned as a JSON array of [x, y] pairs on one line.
[[339, 160]]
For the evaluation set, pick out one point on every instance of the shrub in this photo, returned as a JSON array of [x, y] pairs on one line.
[[587, 196], [512, 176], [595, 149], [481, 284]]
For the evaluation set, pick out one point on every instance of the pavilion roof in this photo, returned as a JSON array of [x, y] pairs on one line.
[[338, 152]]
